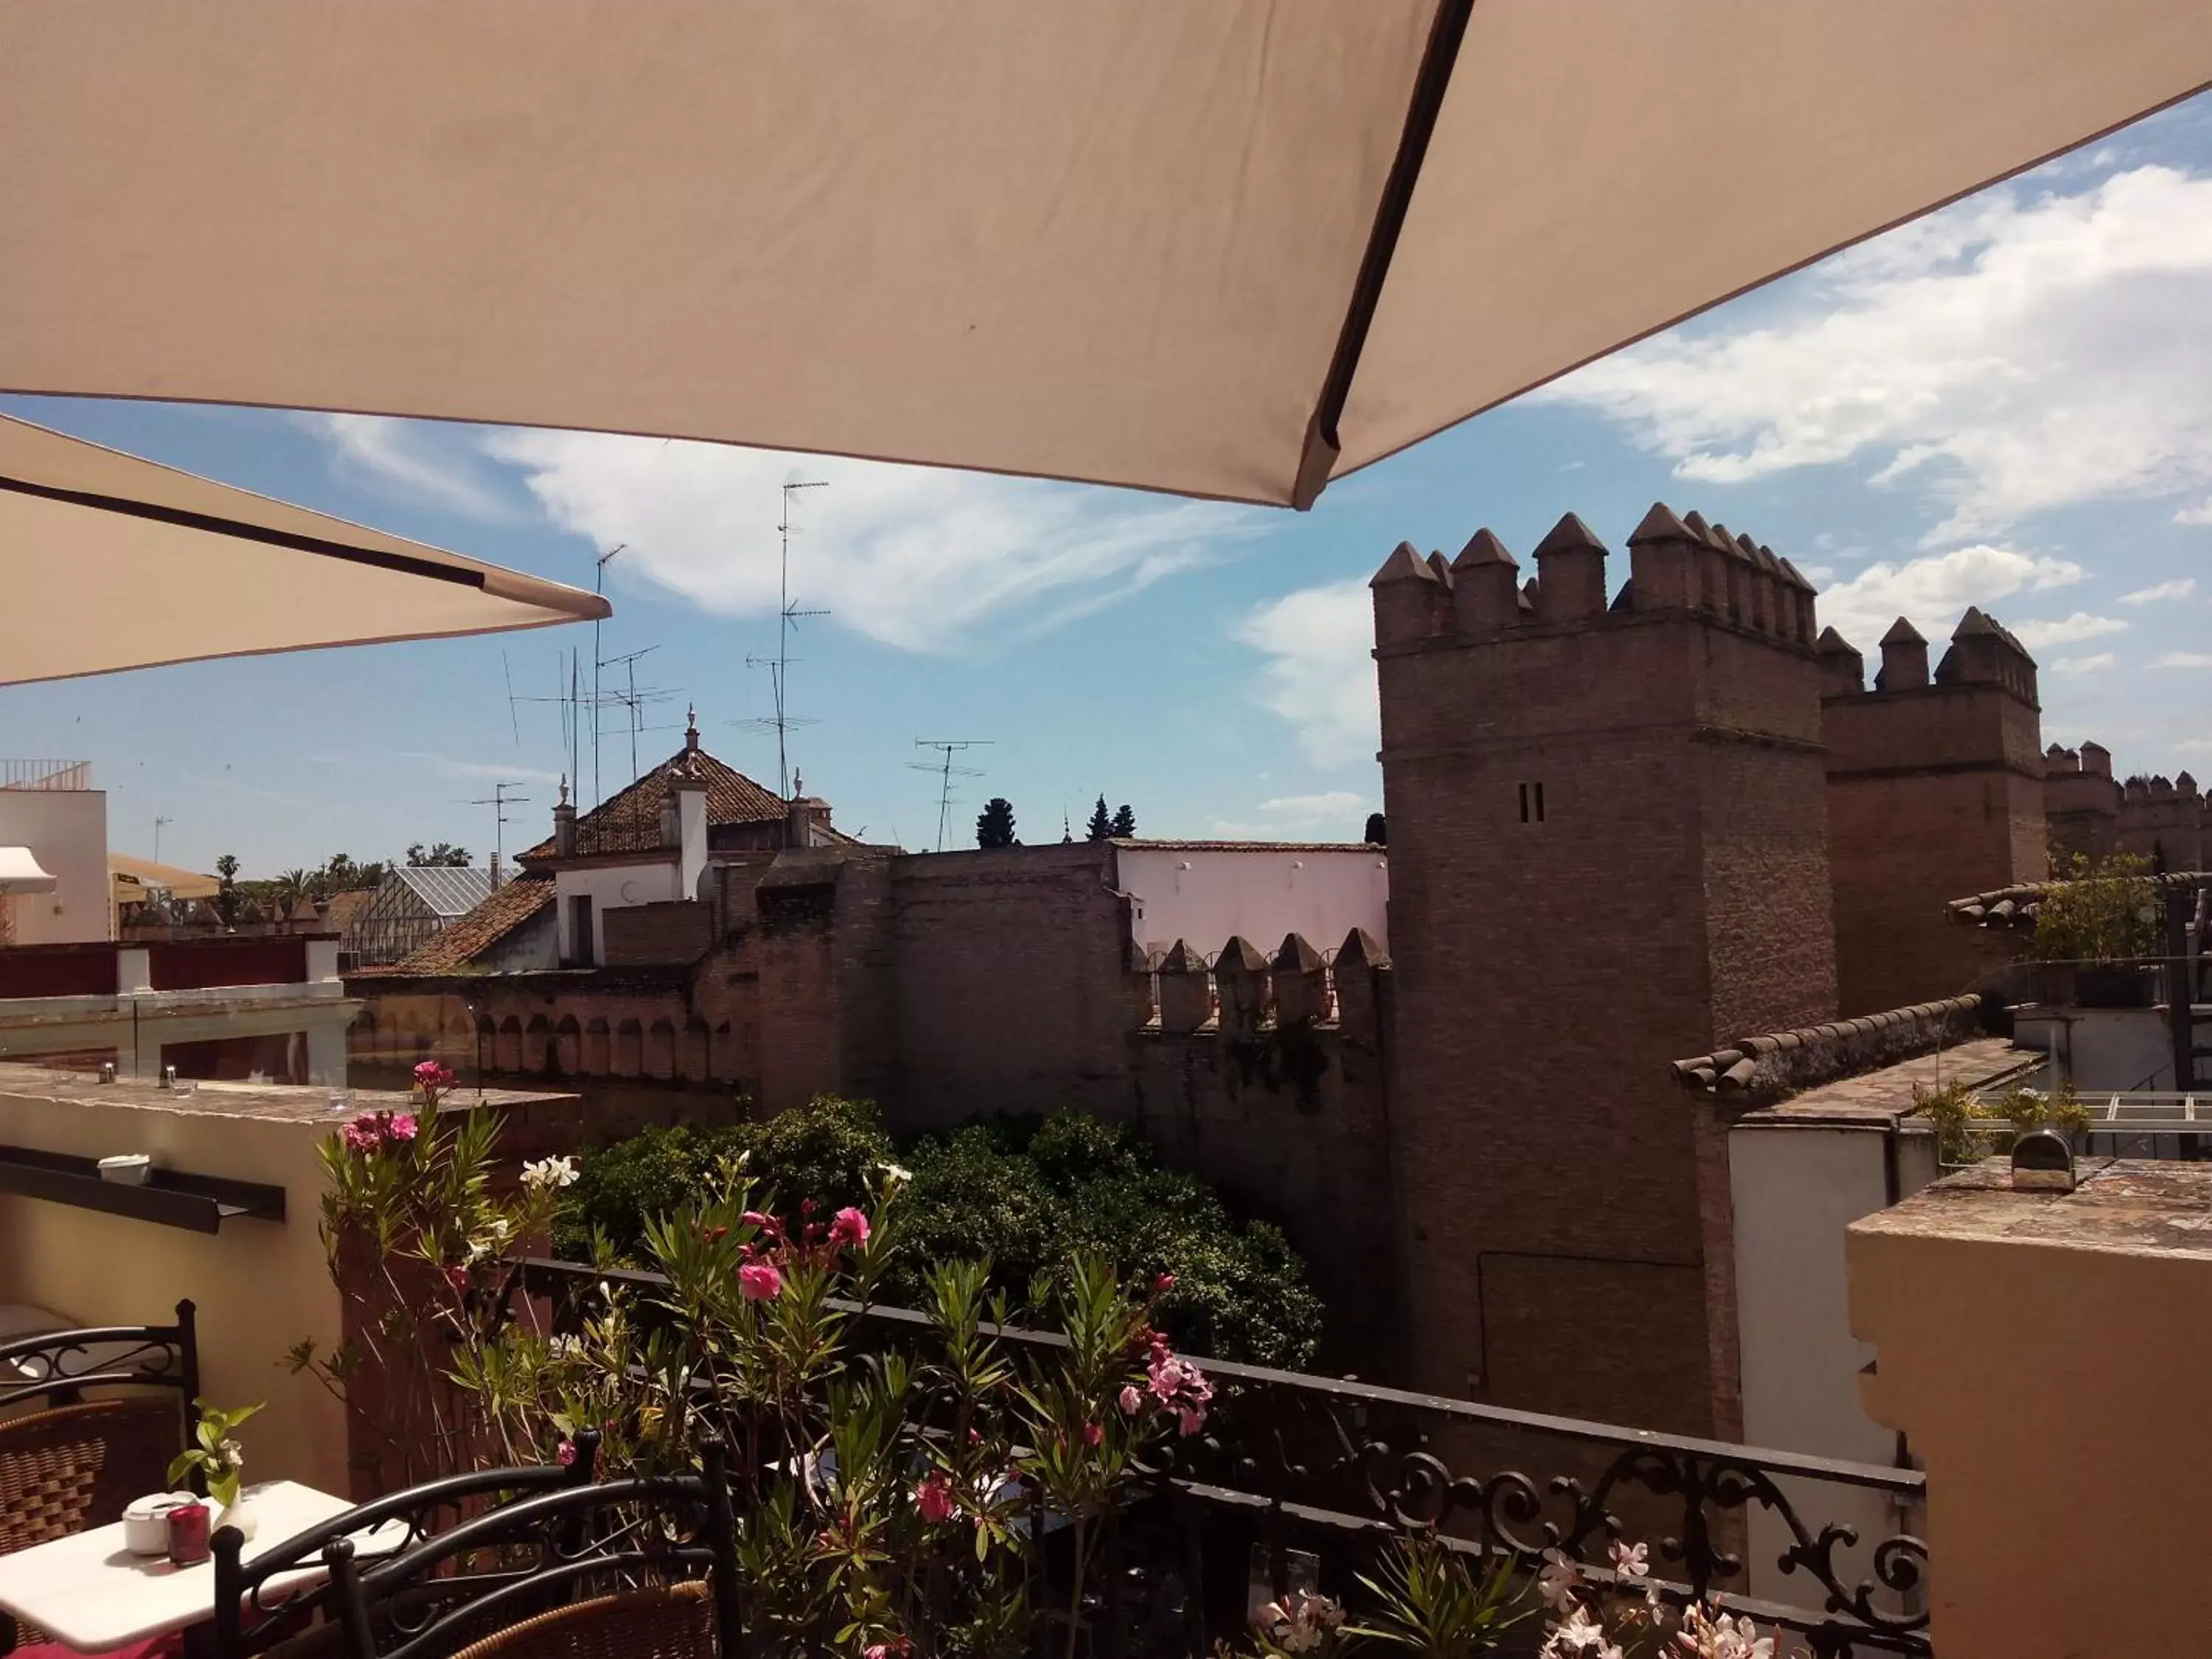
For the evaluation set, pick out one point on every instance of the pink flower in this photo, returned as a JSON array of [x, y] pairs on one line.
[[759, 1281], [850, 1227], [933, 1495], [432, 1074], [1193, 1418], [401, 1127], [566, 1456], [1092, 1434], [361, 1136], [875, 1650], [1132, 1401], [1164, 1284]]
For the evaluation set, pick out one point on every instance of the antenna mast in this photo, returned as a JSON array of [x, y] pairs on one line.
[[946, 771], [787, 615], [598, 585], [499, 800]]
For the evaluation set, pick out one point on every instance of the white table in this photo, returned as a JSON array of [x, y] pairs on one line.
[[90, 1592]]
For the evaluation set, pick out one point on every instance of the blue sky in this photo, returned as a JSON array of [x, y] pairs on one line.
[[2009, 404]]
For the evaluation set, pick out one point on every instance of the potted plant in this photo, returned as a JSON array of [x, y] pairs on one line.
[[2097, 933], [222, 1461]]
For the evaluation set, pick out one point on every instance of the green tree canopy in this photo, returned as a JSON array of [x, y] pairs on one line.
[[1101, 824], [440, 854], [1124, 821], [995, 825], [1029, 1192]]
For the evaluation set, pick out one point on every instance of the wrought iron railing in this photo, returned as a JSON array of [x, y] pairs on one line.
[[1290, 1461]]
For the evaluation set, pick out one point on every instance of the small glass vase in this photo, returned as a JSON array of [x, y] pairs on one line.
[[238, 1513]]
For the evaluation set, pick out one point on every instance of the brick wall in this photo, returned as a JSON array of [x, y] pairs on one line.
[[1934, 790], [1009, 983], [679, 930], [1550, 959]]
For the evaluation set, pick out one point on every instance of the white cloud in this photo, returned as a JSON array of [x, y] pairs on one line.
[[2180, 589], [2200, 513], [2015, 352], [2068, 630], [2096, 665], [1319, 676], [433, 464], [1934, 589], [447, 766], [2194, 746], [1333, 814], [916, 557], [2184, 659]]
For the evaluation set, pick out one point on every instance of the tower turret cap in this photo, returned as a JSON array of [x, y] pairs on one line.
[[1902, 632], [1832, 644], [1660, 525], [1720, 537], [1483, 547], [1403, 565], [1570, 535]]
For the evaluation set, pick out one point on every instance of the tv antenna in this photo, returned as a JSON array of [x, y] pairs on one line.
[[499, 800], [159, 821], [787, 617], [598, 585], [946, 771], [567, 673]]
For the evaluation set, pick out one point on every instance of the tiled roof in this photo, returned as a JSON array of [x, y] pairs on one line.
[[630, 820], [2019, 906], [461, 942], [345, 908], [445, 890], [1813, 1055]]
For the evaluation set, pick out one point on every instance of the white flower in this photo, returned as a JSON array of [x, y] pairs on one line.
[[563, 1347], [232, 1453], [1708, 1636], [1558, 1582], [1631, 1560], [894, 1174], [1580, 1634], [545, 1172]]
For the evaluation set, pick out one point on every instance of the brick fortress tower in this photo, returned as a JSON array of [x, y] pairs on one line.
[[1607, 850], [1935, 789]]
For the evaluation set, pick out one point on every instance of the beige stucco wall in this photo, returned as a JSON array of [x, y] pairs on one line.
[[1206, 895], [260, 1286], [2045, 1357], [66, 831]]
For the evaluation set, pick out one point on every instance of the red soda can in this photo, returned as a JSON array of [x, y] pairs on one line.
[[188, 1535]]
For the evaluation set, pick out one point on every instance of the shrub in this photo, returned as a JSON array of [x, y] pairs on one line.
[[1027, 1194], [2102, 912], [1953, 1111]]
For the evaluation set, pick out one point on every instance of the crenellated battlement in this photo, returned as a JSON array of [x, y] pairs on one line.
[[2168, 821], [1983, 651], [1242, 991], [1677, 565]]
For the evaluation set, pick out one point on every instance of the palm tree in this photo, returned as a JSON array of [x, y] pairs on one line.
[[289, 889]]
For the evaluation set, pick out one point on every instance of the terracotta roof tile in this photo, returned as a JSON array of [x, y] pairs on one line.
[[468, 937], [630, 822]]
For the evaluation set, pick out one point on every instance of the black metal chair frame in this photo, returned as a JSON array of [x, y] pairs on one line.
[[176, 1347], [238, 1585], [573, 1547]]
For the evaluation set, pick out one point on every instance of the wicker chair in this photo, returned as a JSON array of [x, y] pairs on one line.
[[643, 1568], [69, 1463], [301, 1623]]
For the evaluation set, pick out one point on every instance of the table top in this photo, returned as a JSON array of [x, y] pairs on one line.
[[91, 1593]]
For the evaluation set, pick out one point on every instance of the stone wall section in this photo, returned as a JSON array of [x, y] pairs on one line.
[[1933, 781], [1606, 829]]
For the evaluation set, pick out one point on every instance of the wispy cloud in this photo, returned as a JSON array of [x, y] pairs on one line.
[[2067, 630], [2096, 665], [1319, 676], [2180, 589], [2184, 659], [1934, 589], [435, 465], [1332, 814], [916, 557], [447, 766], [2019, 351]]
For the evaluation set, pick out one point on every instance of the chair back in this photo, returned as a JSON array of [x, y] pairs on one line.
[[69, 1462], [586, 1569], [252, 1618]]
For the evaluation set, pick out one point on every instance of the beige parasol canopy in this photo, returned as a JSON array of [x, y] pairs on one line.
[[1225, 247], [109, 562]]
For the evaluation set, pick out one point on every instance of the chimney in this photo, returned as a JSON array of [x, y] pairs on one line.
[[564, 824], [1570, 573], [691, 728], [805, 816], [1904, 658], [687, 804]]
